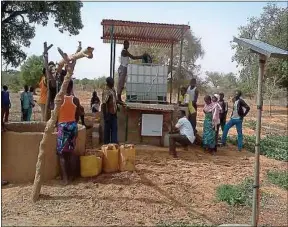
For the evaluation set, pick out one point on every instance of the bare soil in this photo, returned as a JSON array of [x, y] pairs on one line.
[[162, 190]]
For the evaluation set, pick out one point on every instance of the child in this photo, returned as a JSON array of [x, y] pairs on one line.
[[95, 102], [32, 103], [25, 103], [5, 104]]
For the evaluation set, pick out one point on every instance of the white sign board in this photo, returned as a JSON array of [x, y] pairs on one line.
[[152, 124]]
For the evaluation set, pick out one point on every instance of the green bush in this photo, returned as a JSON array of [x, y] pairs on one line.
[[240, 194], [279, 178], [230, 194]]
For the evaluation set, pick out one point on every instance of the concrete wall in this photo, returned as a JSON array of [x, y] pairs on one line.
[[134, 127], [20, 148]]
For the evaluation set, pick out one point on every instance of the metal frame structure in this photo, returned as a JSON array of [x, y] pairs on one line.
[[139, 33], [265, 51]]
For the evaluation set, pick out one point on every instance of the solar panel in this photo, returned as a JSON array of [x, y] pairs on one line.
[[262, 48]]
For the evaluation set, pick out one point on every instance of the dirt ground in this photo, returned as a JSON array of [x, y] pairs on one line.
[[162, 190]]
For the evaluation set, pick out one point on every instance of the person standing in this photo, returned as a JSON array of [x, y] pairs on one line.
[[25, 103], [43, 94], [67, 133], [193, 93], [185, 136], [224, 111], [240, 110], [32, 103], [184, 100], [122, 70], [5, 104], [95, 102], [109, 110], [211, 121]]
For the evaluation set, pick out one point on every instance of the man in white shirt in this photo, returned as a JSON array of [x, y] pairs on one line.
[[185, 136], [122, 70]]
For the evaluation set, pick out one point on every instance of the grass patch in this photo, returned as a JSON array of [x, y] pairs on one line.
[[279, 178], [275, 147], [238, 195]]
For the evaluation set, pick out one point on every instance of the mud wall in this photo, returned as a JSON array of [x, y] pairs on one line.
[[20, 148], [134, 127]]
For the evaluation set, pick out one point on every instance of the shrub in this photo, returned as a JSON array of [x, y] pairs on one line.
[[240, 194], [279, 178], [230, 194]]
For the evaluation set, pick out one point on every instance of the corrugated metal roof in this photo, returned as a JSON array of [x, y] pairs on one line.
[[262, 48], [154, 34], [152, 107]]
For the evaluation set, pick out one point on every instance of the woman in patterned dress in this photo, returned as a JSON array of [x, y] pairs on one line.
[[211, 111]]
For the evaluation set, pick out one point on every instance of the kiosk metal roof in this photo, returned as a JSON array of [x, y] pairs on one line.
[[262, 48], [156, 34]]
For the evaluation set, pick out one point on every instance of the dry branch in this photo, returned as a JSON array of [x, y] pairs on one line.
[[88, 53], [70, 62]]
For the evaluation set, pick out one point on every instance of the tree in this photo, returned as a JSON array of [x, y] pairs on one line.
[[270, 27], [215, 78], [12, 78], [271, 88], [31, 70], [19, 18]]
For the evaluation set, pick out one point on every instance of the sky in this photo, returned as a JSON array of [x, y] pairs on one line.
[[214, 22]]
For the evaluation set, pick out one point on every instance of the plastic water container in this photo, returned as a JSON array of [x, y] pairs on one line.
[[90, 165], [127, 155], [110, 158]]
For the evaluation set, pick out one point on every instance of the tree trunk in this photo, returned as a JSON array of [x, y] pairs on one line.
[[50, 125]]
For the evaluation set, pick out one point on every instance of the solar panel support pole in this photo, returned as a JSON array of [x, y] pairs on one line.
[[256, 194], [114, 51], [111, 50], [171, 70]]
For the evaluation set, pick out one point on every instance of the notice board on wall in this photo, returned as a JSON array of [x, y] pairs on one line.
[[152, 125]]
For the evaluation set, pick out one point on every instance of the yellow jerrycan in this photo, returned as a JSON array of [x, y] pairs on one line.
[[127, 156], [91, 165], [110, 158]]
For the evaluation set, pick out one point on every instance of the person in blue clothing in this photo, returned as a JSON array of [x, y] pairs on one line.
[[25, 103], [32, 103], [5, 104], [240, 110]]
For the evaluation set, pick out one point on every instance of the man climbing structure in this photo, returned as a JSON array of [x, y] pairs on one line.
[[122, 70]]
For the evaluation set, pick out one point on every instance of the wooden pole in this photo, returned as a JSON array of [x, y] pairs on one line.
[[111, 51], [50, 125], [114, 52], [48, 77], [171, 70], [255, 206]]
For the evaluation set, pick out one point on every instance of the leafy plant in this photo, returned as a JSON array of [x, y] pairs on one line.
[[230, 194], [275, 147], [240, 194], [279, 178]]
